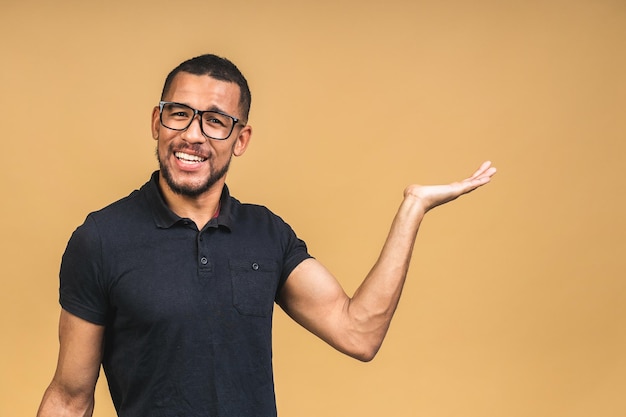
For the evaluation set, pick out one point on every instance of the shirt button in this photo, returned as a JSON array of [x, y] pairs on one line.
[[255, 266], [204, 260]]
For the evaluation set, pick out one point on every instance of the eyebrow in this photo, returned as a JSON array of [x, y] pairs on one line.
[[215, 108], [212, 108]]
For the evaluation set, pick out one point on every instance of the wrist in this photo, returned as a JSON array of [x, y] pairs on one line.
[[414, 203]]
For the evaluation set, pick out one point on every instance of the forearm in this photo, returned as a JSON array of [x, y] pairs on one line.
[[58, 401], [372, 306], [357, 325]]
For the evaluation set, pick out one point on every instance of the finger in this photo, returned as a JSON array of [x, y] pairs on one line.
[[480, 178], [481, 170], [490, 172]]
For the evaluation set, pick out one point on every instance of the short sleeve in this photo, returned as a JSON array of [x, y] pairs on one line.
[[81, 291], [296, 252]]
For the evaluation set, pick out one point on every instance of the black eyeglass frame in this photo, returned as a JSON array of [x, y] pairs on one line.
[[199, 113]]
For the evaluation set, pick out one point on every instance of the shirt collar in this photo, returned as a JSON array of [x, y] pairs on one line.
[[165, 218]]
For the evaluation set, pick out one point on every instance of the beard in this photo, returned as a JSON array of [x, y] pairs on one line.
[[191, 190]]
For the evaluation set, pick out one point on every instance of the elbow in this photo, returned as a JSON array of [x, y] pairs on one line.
[[59, 399], [365, 356], [361, 332], [363, 349], [365, 337]]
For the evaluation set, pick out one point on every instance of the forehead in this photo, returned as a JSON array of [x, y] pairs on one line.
[[204, 92]]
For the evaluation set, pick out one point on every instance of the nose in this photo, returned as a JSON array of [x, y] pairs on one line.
[[193, 133]]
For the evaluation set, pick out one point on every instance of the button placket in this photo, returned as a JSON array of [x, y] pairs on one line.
[[204, 264]]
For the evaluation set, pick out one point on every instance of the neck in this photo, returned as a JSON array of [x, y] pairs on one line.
[[200, 209]]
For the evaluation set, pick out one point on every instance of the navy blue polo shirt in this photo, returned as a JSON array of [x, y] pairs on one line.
[[187, 313]]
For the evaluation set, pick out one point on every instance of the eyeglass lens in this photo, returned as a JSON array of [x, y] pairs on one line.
[[178, 116]]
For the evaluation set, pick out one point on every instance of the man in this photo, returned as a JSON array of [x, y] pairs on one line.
[[172, 288]]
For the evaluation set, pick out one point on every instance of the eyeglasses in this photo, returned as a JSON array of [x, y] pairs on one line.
[[213, 124]]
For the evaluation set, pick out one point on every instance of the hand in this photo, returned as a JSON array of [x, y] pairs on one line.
[[431, 196]]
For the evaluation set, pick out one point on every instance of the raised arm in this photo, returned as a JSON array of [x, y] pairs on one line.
[[71, 392], [357, 326]]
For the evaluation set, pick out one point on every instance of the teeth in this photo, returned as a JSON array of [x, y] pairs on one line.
[[186, 157]]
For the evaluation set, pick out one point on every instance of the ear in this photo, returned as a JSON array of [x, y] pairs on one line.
[[242, 141], [156, 123]]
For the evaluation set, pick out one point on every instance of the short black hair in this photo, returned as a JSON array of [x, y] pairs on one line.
[[220, 69]]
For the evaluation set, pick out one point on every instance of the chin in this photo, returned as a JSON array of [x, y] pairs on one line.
[[193, 188], [188, 184]]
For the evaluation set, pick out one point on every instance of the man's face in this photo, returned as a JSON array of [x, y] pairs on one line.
[[191, 164]]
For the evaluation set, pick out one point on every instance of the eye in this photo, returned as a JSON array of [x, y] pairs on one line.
[[216, 120], [177, 111]]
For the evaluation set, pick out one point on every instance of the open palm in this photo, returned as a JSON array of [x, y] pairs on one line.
[[432, 196]]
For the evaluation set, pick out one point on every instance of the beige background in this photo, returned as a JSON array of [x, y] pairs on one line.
[[515, 304]]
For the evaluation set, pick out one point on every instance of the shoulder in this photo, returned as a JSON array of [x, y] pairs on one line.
[[122, 210], [250, 213], [124, 214], [135, 205]]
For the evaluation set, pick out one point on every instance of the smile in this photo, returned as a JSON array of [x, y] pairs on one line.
[[185, 157]]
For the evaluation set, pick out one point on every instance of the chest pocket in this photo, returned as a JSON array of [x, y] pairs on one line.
[[254, 285]]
